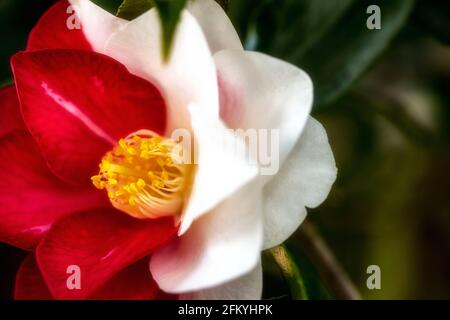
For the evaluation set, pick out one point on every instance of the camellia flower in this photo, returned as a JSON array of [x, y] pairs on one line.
[[88, 178]]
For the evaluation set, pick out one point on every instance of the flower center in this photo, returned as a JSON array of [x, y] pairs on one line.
[[141, 176]]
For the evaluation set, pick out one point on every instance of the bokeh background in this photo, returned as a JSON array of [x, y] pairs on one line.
[[384, 98]]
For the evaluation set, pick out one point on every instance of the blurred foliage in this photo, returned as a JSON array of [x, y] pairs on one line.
[[131, 9], [17, 17], [314, 285], [111, 5], [169, 11], [433, 16], [384, 98], [327, 38], [389, 206]]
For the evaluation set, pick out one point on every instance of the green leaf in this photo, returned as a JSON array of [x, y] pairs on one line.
[[290, 272], [241, 14], [131, 9], [329, 39], [343, 55], [313, 283], [5, 83], [17, 18], [169, 11], [434, 17], [109, 5], [299, 24], [286, 26], [223, 4]]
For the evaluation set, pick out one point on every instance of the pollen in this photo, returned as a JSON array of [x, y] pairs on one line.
[[141, 177]]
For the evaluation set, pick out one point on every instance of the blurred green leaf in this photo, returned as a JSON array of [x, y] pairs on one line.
[[109, 5], [130, 9], [296, 25], [434, 16], [312, 282], [169, 12], [290, 272], [343, 55], [329, 39], [241, 13], [17, 18], [5, 83], [223, 4]]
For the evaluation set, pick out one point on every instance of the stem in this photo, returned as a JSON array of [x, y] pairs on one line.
[[331, 272], [290, 272]]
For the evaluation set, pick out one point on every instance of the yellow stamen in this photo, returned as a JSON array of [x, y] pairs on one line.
[[141, 177]]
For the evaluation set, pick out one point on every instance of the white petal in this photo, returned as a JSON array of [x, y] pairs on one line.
[[281, 220], [98, 25], [223, 166], [304, 180], [261, 92], [247, 287], [219, 247], [188, 77], [216, 25]]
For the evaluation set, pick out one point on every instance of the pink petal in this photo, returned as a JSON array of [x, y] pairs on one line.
[[29, 282], [101, 243], [78, 104], [52, 30], [31, 197], [10, 117]]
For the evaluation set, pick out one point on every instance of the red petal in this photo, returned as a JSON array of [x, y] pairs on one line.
[[101, 243], [10, 117], [133, 283], [78, 104], [51, 31], [166, 296], [29, 282], [31, 197]]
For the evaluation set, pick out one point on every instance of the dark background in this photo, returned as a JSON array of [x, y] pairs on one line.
[[383, 97]]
